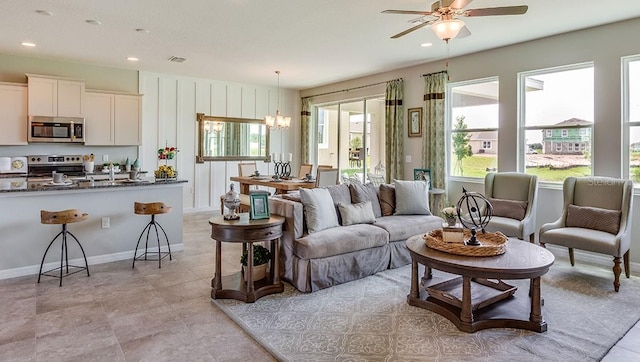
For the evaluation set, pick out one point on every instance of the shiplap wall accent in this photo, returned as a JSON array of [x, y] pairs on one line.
[[169, 108]]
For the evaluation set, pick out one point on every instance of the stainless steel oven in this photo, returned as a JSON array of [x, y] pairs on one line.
[[56, 129]]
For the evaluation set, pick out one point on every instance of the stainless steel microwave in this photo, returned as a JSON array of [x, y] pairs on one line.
[[56, 129]]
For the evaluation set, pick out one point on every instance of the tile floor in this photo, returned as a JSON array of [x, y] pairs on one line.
[[144, 314]]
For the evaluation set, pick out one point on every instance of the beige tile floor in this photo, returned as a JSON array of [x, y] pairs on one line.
[[143, 314]]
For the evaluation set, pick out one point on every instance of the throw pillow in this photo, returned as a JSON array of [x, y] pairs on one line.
[[387, 196], [363, 193], [339, 193], [361, 213], [512, 209], [412, 197], [593, 218], [318, 209], [293, 196]]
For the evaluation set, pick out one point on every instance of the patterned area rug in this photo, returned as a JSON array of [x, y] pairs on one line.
[[370, 320]]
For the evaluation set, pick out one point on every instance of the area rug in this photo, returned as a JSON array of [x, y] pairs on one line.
[[370, 320]]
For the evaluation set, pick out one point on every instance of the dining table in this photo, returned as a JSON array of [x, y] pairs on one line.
[[281, 186]]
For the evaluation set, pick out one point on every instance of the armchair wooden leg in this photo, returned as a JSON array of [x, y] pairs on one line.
[[532, 238], [571, 258], [616, 272], [627, 271]]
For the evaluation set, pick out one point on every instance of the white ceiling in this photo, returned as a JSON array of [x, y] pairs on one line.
[[312, 42]]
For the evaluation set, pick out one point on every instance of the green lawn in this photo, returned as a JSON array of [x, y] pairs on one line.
[[476, 166]]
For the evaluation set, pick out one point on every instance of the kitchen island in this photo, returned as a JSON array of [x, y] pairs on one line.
[[109, 234]]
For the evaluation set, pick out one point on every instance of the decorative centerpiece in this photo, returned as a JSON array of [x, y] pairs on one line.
[[165, 172], [136, 165], [474, 212], [261, 256], [231, 202], [167, 153], [450, 214]]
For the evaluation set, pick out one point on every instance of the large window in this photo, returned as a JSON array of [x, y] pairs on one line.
[[473, 127], [556, 122], [631, 116]]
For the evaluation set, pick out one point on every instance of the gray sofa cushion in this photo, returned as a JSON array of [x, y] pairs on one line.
[[366, 192], [318, 209], [405, 226], [339, 193], [340, 240], [593, 218], [360, 213]]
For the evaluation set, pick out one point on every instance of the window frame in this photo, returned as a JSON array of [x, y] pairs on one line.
[[449, 130], [627, 124], [523, 128]]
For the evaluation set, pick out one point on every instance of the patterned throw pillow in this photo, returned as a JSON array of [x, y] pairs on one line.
[[387, 196], [593, 218], [512, 209]]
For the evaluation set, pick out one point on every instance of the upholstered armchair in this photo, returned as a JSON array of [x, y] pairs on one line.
[[596, 217], [513, 196]]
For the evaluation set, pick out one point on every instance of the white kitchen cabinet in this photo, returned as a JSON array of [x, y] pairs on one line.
[[55, 97], [13, 103], [112, 119]]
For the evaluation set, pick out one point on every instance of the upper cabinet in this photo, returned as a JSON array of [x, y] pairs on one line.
[[55, 97], [112, 119], [13, 103]]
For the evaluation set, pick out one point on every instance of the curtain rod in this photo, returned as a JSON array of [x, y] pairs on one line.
[[434, 73], [350, 89]]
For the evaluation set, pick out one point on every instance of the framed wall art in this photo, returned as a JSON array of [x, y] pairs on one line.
[[415, 122], [259, 205]]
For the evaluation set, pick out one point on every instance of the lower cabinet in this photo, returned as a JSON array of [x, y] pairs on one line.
[[13, 122], [112, 119]]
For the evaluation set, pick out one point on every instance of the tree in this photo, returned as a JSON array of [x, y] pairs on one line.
[[356, 142], [461, 146]]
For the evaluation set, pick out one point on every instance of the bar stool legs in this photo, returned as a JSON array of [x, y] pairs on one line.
[[152, 209], [63, 217]]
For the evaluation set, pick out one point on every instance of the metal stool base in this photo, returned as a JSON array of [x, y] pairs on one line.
[[159, 254], [64, 258]]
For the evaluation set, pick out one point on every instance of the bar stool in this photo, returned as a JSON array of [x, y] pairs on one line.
[[153, 209], [63, 217]]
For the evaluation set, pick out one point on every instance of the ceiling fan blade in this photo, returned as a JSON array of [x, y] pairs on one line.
[[459, 4], [411, 29], [410, 12], [464, 32], [506, 10]]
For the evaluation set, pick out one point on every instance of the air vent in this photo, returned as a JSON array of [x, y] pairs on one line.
[[177, 59]]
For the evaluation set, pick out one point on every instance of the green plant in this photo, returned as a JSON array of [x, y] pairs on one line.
[[261, 255], [356, 142], [461, 146]]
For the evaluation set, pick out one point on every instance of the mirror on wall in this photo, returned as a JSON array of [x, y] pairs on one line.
[[229, 139]]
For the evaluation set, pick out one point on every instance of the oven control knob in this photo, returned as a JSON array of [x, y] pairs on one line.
[[38, 159]]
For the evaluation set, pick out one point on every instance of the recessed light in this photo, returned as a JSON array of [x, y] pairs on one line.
[[28, 44], [141, 30], [93, 22], [426, 45], [44, 12], [132, 59]]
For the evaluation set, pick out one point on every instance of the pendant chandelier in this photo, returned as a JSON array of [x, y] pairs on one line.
[[279, 122]]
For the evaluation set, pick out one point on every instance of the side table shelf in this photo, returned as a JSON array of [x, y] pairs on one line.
[[246, 231]]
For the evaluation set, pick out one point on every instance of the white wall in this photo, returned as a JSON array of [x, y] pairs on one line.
[[603, 45], [169, 108]]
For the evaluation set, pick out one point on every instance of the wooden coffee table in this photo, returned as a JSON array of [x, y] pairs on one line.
[[478, 298]]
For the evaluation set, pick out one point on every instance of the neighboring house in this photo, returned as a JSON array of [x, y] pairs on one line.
[[484, 142], [567, 141]]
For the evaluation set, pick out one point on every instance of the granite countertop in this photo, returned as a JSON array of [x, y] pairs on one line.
[[87, 185]]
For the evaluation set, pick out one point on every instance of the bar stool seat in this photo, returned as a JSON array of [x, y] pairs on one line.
[[63, 218], [153, 209]]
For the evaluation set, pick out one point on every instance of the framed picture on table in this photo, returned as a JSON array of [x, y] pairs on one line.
[[259, 205], [423, 174], [415, 122]]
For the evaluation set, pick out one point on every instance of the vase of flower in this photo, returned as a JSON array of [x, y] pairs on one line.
[[450, 214]]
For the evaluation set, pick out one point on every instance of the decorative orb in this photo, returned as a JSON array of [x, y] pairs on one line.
[[474, 212]]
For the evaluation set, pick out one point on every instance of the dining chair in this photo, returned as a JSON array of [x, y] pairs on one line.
[[375, 179], [305, 169], [596, 217], [247, 168], [327, 177]]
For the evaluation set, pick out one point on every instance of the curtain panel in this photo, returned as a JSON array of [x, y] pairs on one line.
[[433, 139], [305, 131], [394, 130]]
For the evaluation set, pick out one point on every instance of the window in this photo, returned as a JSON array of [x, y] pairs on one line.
[[472, 127], [631, 117], [556, 115], [323, 121]]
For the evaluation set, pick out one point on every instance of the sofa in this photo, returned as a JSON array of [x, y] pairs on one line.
[[312, 259]]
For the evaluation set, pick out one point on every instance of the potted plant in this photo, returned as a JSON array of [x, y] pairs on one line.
[[450, 214], [261, 256]]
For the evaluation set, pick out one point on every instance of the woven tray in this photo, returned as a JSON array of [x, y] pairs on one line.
[[491, 244]]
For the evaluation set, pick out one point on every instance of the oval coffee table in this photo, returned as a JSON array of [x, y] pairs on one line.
[[478, 298]]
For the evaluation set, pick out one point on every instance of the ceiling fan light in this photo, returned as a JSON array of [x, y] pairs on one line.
[[447, 29]]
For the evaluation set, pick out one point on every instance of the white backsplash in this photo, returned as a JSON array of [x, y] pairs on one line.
[[116, 154]]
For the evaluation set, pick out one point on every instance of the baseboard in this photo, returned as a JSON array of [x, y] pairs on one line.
[[92, 260], [605, 261]]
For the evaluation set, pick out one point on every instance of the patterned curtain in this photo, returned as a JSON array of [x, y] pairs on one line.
[[305, 128], [232, 135], [433, 142], [394, 130]]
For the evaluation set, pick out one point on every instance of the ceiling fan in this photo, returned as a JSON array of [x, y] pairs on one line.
[[444, 14]]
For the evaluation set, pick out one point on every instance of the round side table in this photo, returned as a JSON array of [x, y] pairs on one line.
[[247, 232]]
